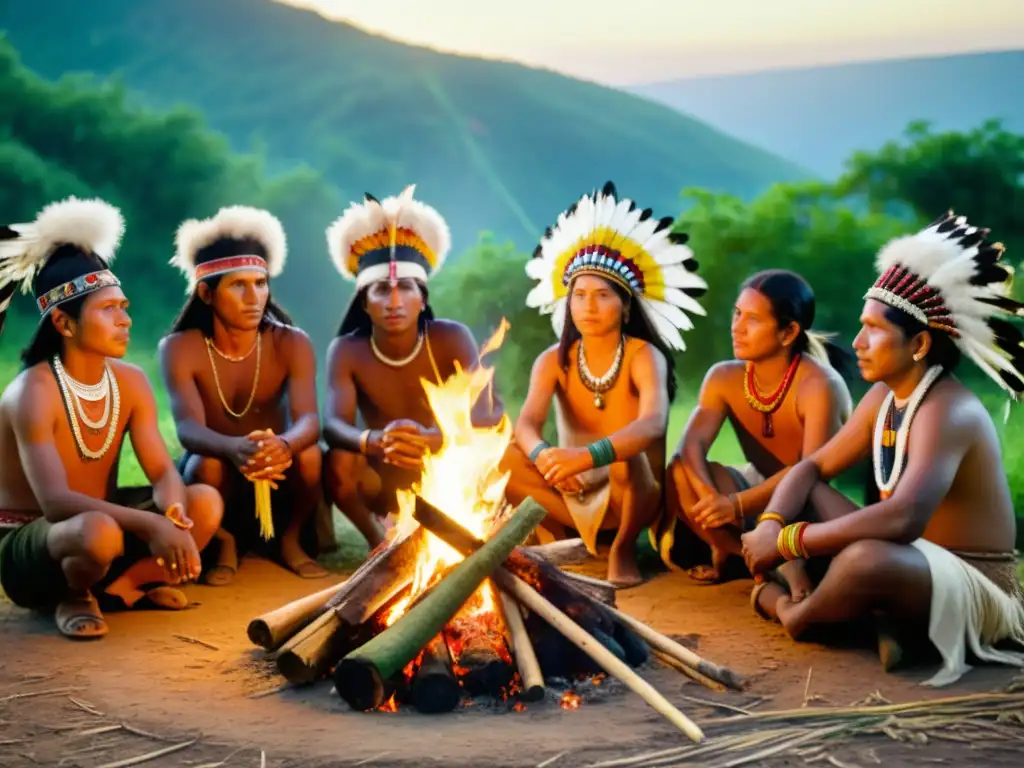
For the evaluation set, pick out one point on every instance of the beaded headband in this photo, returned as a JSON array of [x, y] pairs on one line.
[[80, 286]]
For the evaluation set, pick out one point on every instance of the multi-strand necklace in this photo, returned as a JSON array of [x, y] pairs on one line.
[[391, 361], [600, 384], [884, 434], [258, 347], [770, 404], [73, 392]]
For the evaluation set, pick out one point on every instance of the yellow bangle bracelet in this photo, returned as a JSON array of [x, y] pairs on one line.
[[771, 516]]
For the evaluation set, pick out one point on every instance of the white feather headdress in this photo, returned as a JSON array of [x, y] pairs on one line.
[[950, 279], [397, 237], [92, 226], [608, 236], [223, 243]]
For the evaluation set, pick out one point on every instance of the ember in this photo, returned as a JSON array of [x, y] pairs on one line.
[[422, 622]]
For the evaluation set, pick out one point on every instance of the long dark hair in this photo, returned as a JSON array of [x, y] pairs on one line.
[[792, 301], [197, 314], [357, 320], [65, 264], [635, 325]]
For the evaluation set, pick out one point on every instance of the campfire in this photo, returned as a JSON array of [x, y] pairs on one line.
[[452, 605]]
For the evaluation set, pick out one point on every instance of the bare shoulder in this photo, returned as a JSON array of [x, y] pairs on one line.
[[647, 352], [349, 344], [952, 402], [449, 330], [132, 381], [723, 376], [289, 339], [31, 388], [819, 382], [180, 346]]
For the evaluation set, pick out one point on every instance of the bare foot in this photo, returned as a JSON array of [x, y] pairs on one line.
[[710, 574], [623, 571], [79, 618], [223, 573], [296, 559], [795, 574], [788, 611], [120, 596], [765, 598]]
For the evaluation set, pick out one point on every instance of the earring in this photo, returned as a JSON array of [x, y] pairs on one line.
[[917, 358]]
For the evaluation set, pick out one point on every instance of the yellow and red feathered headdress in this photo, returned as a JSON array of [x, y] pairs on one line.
[[950, 279], [394, 238], [610, 237]]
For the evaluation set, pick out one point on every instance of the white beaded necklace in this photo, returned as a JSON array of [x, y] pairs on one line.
[[397, 363], [600, 385], [903, 433], [113, 411]]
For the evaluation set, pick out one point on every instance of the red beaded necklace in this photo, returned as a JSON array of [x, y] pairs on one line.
[[768, 405]]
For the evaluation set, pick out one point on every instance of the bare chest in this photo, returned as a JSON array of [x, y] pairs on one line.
[[241, 396], [596, 413], [778, 433], [386, 393]]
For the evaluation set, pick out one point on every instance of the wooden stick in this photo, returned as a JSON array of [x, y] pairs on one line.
[[311, 652], [434, 688], [693, 674], [565, 552], [668, 646], [272, 629], [522, 650], [360, 676], [536, 602], [475, 649]]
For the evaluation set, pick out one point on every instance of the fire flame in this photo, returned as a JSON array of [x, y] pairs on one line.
[[462, 479], [570, 700]]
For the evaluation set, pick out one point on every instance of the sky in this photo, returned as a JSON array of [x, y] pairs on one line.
[[627, 42]]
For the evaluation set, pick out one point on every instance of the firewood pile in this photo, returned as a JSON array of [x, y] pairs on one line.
[[498, 622]]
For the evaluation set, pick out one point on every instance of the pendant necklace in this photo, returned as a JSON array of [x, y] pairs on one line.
[[770, 404], [883, 424], [600, 385], [391, 361]]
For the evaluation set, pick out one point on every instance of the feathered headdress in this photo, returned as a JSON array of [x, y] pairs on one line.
[[237, 237], [91, 228], [949, 278], [394, 238], [607, 236]]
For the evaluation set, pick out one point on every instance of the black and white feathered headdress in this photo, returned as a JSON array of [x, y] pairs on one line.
[[237, 237], [609, 236], [90, 229], [389, 239], [950, 279]]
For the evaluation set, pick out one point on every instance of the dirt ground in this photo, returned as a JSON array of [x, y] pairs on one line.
[[146, 687]]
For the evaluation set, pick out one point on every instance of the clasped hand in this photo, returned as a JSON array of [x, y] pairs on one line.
[[761, 548], [262, 455], [174, 549], [404, 443], [714, 511], [562, 467]]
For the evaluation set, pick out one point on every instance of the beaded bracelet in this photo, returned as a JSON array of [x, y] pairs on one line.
[[537, 450], [791, 541], [602, 452], [771, 516]]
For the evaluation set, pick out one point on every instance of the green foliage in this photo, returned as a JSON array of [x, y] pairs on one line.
[[81, 137], [493, 145]]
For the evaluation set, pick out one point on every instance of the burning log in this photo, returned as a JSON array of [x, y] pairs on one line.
[[483, 665], [361, 675], [522, 650], [434, 688], [272, 629], [583, 608], [565, 552], [310, 653], [572, 631]]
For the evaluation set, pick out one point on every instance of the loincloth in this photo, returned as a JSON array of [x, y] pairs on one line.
[[32, 578], [976, 603]]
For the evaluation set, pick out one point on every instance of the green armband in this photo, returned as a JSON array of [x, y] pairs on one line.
[[602, 452], [541, 446]]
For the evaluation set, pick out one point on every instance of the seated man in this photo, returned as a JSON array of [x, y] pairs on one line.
[[783, 399], [63, 421], [389, 340], [935, 554], [242, 384], [616, 282]]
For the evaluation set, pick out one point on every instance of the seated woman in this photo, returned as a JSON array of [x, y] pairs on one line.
[[616, 282], [934, 556], [784, 400]]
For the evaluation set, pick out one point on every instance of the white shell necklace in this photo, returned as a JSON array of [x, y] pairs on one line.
[[600, 385], [886, 487], [111, 413], [397, 363]]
